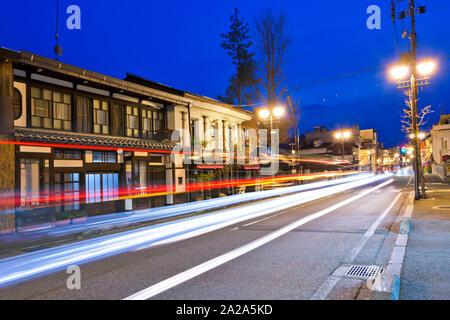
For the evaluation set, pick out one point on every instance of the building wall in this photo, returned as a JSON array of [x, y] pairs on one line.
[[441, 142], [7, 187]]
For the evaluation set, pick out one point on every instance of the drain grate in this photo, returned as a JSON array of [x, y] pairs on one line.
[[363, 272]]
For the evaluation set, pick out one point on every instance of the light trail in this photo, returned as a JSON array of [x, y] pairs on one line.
[[39, 263], [226, 257], [46, 199], [129, 217]]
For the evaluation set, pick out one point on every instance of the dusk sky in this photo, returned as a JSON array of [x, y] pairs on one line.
[[178, 43]]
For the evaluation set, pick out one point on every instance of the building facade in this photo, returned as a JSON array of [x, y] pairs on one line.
[[440, 135], [322, 142], [78, 143], [369, 149]]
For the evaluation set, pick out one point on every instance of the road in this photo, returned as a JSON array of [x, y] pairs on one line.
[[285, 254]]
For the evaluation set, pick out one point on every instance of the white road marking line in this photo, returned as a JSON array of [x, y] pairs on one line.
[[329, 284], [409, 181], [213, 263], [273, 216], [291, 209]]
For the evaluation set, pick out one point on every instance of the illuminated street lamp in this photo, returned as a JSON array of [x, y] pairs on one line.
[[369, 153], [400, 72], [265, 113], [421, 135], [342, 135], [278, 112], [426, 67]]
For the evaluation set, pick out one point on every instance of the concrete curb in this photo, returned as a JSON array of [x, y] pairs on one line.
[[387, 284]]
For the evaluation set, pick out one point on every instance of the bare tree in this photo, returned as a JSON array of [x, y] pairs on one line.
[[406, 120], [273, 41]]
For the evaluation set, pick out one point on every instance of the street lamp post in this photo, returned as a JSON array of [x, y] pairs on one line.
[[271, 113], [425, 68], [369, 153], [342, 135], [400, 72]]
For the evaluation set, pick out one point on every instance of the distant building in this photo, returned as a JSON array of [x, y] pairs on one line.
[[369, 148], [322, 142], [440, 134]]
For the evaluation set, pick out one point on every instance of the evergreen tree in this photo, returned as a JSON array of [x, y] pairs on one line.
[[242, 88]]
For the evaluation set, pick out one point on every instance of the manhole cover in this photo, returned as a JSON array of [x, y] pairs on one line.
[[363, 272]]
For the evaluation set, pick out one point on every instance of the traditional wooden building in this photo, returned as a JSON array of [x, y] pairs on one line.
[[77, 143]]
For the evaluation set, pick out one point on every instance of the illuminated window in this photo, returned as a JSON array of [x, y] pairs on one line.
[[83, 109], [67, 154], [147, 123], [158, 121], [34, 182], [132, 116], [67, 191], [101, 116], [50, 109], [140, 174], [104, 157], [102, 187]]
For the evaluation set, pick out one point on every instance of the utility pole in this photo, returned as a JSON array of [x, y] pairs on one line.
[[418, 161], [411, 86], [296, 133]]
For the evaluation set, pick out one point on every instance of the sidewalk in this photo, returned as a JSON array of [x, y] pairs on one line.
[[426, 268]]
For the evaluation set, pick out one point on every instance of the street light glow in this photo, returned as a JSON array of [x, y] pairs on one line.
[[338, 135], [347, 134], [278, 112], [399, 72], [426, 68], [264, 113], [421, 135]]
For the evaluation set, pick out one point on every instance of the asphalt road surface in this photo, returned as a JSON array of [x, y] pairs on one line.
[[289, 254]]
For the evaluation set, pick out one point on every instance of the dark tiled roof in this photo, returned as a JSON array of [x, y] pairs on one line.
[[47, 136]]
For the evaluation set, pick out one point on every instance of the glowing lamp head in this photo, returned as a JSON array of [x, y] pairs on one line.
[[278, 112], [347, 134], [264, 113], [421, 135], [426, 68], [338, 135], [399, 72]]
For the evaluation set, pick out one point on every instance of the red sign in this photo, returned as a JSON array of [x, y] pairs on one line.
[[207, 166]]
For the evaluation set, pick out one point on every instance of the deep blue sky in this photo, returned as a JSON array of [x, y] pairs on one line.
[[177, 43]]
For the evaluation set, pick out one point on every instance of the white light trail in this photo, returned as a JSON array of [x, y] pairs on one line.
[[27, 266], [213, 263]]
